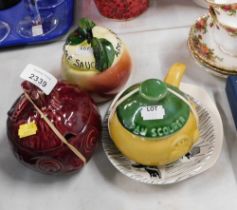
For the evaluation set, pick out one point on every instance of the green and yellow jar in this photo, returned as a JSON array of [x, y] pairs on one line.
[[154, 123]]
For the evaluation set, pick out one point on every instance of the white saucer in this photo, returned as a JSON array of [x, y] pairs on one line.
[[211, 69], [206, 51], [203, 155]]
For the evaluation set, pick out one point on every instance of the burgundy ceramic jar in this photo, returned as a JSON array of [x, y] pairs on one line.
[[74, 115]]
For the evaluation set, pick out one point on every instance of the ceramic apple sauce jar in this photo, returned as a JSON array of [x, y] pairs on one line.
[[153, 123], [37, 142], [96, 60]]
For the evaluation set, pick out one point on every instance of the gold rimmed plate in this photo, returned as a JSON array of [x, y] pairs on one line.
[[205, 50], [211, 69]]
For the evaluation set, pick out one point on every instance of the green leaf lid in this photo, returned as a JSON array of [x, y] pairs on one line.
[[153, 108], [92, 48]]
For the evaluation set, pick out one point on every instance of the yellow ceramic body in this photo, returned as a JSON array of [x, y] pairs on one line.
[[156, 151]]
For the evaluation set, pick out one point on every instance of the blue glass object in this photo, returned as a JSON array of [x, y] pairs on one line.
[[231, 91], [4, 31], [32, 21]]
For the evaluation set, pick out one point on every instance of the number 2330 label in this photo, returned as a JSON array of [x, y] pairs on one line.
[[39, 77]]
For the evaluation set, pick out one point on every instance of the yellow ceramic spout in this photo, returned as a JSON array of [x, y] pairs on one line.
[[175, 74]]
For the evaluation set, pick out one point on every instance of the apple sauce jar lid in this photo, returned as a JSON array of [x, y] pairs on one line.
[[153, 109], [92, 48]]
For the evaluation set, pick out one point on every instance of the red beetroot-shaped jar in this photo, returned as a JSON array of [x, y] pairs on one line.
[[74, 115]]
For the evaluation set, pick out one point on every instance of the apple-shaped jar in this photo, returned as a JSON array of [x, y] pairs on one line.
[[154, 123], [56, 133], [97, 60]]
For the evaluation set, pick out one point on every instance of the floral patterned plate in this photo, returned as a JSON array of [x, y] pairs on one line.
[[202, 156], [211, 69], [203, 46]]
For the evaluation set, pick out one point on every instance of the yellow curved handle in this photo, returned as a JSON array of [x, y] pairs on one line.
[[175, 74]]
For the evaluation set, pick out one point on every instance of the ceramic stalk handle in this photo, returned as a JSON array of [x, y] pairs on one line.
[[175, 74]]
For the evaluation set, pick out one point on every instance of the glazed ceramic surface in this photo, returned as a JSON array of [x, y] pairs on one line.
[[97, 60], [226, 11], [202, 156], [153, 123], [202, 45], [222, 32], [74, 115], [150, 110], [211, 69], [121, 10]]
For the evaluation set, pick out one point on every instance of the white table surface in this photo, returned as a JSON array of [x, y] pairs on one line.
[[99, 186]]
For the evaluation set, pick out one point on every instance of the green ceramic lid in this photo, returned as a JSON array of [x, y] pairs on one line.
[[152, 110]]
